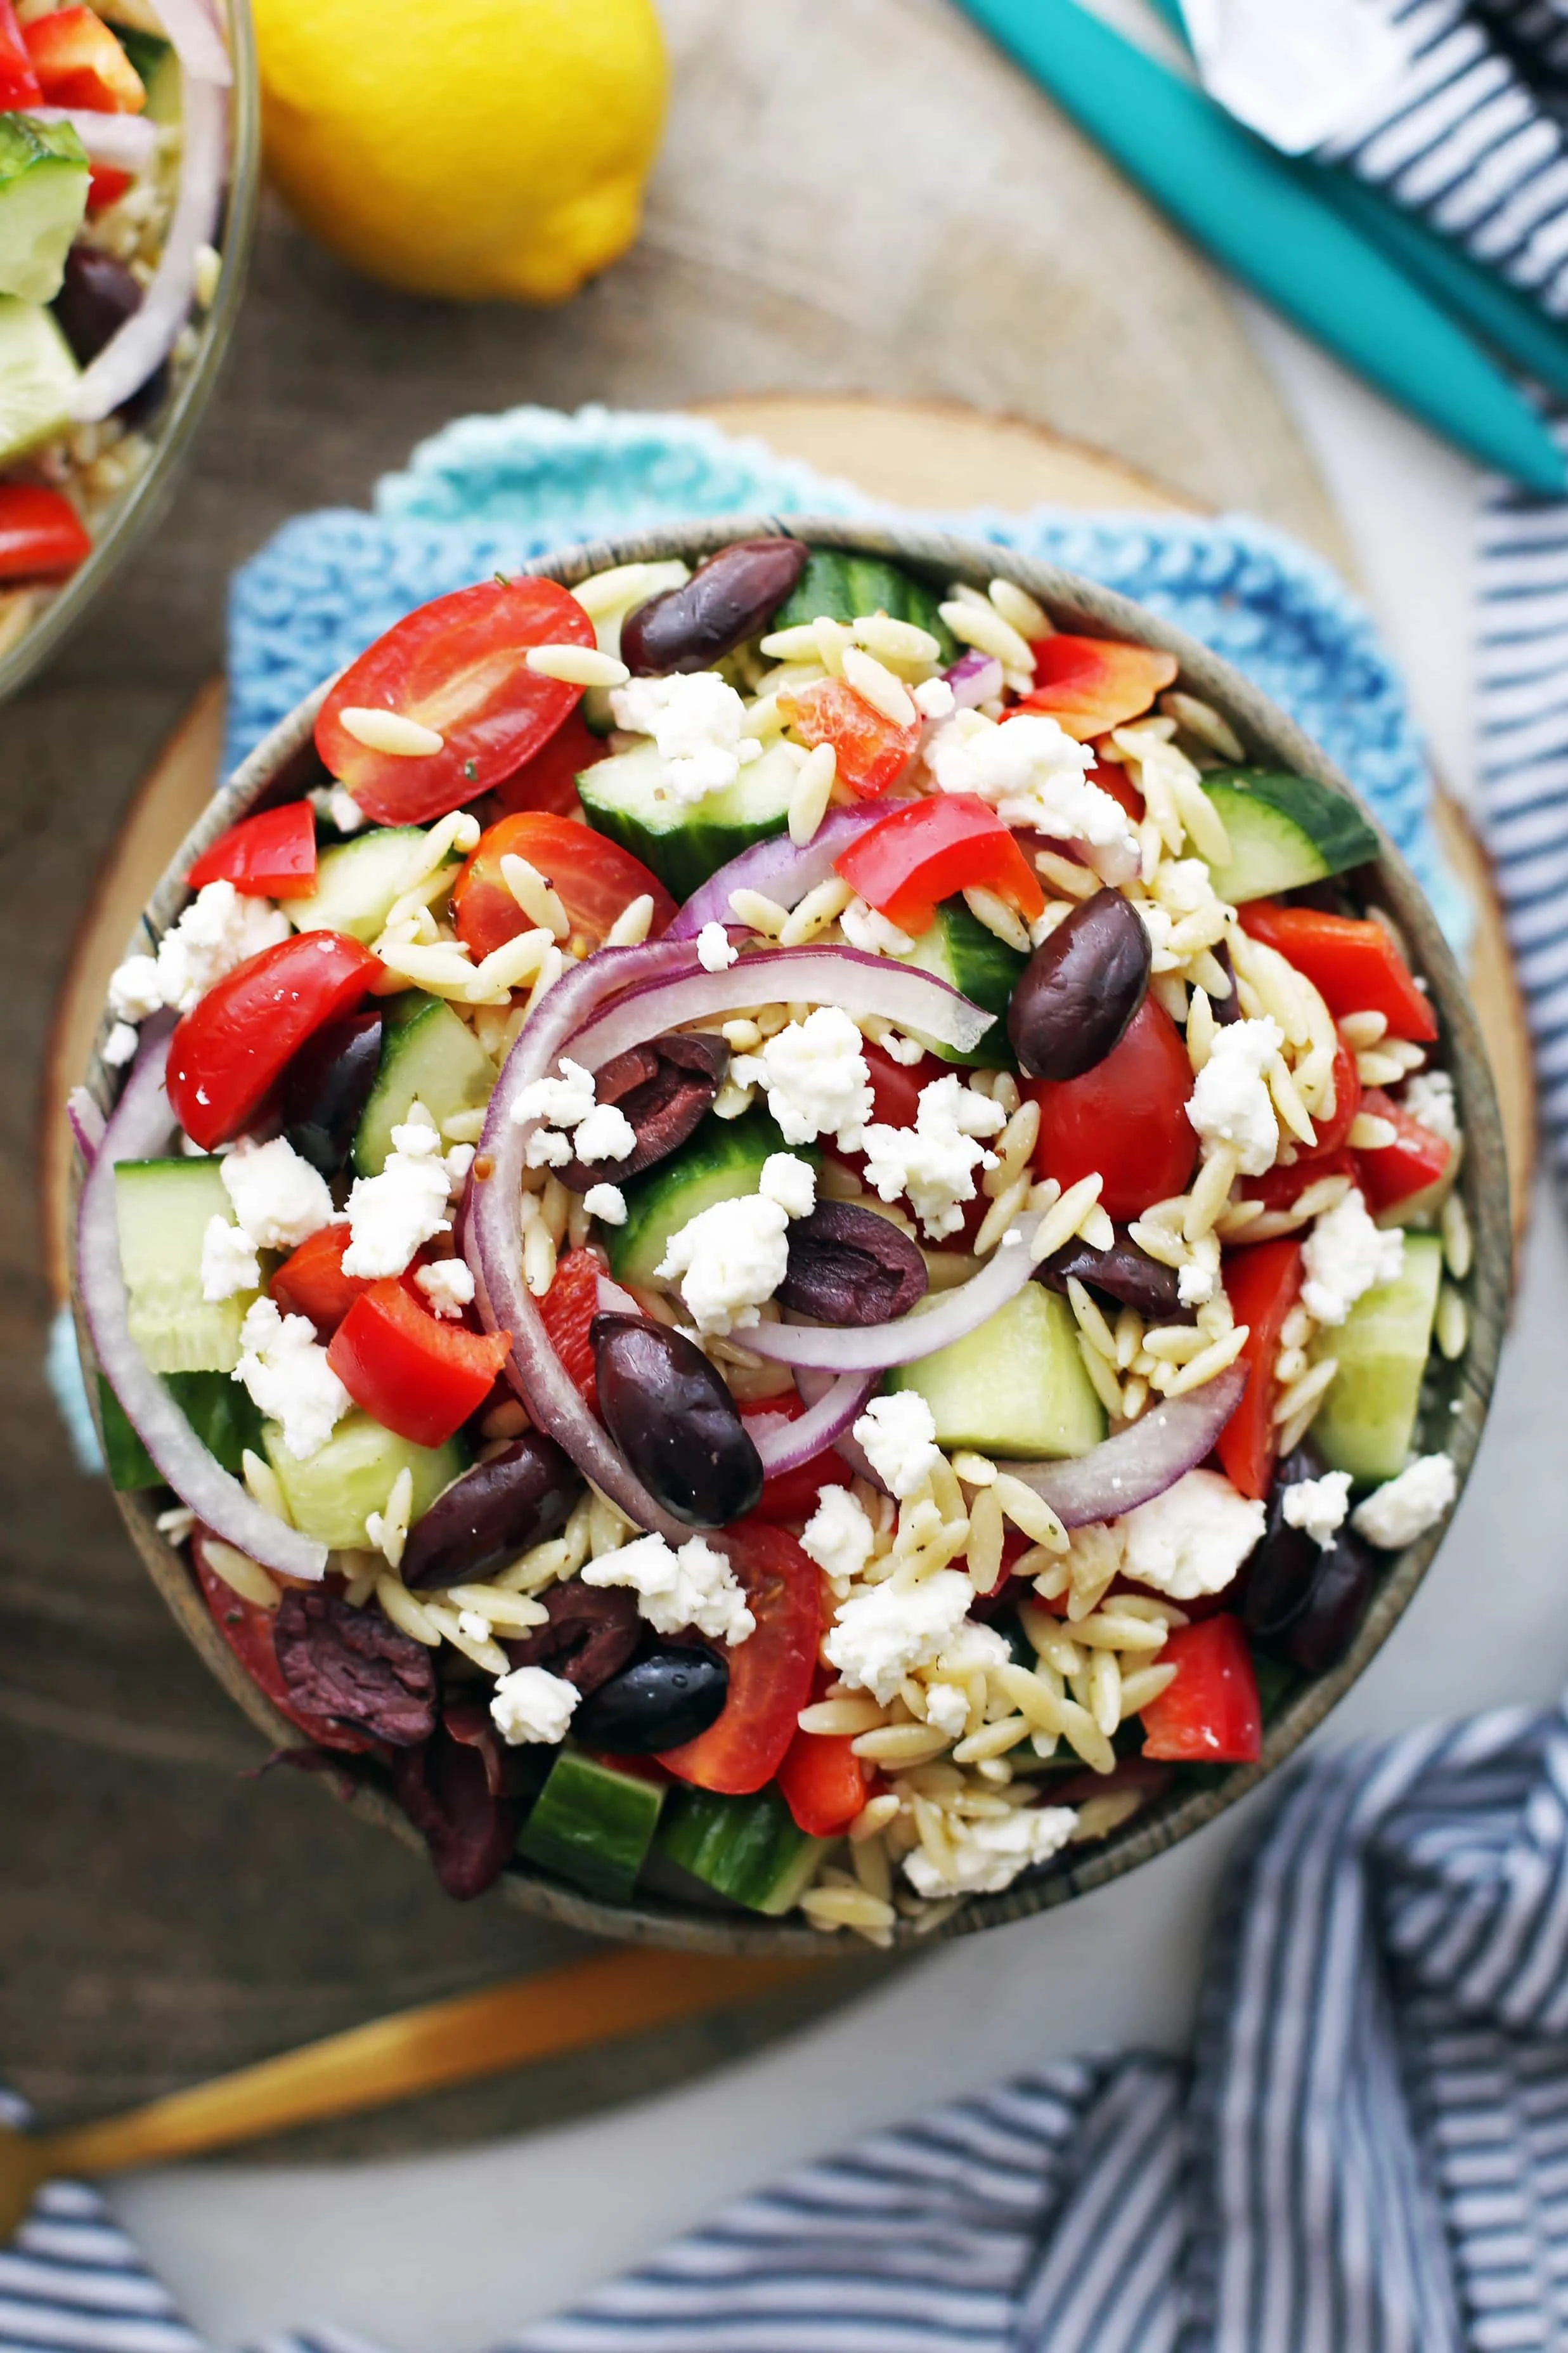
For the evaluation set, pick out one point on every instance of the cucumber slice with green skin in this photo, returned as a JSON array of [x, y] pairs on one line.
[[357, 882], [961, 950], [849, 587], [723, 1160], [591, 1826], [219, 1408], [428, 1055], [748, 1849], [330, 1496], [163, 1208], [1015, 1386], [37, 377], [1366, 1424], [44, 174], [1284, 831], [683, 841]]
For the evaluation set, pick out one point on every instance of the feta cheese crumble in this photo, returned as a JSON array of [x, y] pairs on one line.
[[934, 1162], [934, 698], [119, 1046], [1401, 1509], [866, 929], [449, 1287], [1193, 1538], [392, 1215], [605, 1134], [607, 1203], [285, 1369], [133, 991], [278, 1199], [714, 951], [728, 1259], [692, 1586], [1035, 776], [532, 1704], [1230, 1101], [1317, 1505], [1345, 1256], [560, 1102], [816, 1078], [884, 1632], [1428, 1097], [897, 1436], [790, 1182], [988, 1855], [699, 724], [839, 1536], [221, 928], [229, 1263]]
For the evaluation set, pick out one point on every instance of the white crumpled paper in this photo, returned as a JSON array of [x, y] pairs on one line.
[[1298, 72]]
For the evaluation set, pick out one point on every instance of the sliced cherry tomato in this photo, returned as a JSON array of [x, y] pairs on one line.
[[1210, 1714], [1280, 1187], [770, 1673], [549, 781], [1352, 964], [872, 751], [1089, 685], [311, 1283], [566, 1311], [248, 1628], [79, 62], [271, 856], [1416, 1159], [231, 1048], [1332, 1132], [42, 537], [1111, 778], [1262, 1286], [925, 852], [823, 1782], [18, 80], [1126, 1119], [105, 186], [595, 880], [412, 1372], [791, 1494], [458, 665]]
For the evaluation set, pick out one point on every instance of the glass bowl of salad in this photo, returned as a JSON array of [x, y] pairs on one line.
[[129, 169], [791, 1232]]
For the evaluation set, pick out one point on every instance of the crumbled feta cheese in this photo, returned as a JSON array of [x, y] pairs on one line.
[[699, 724], [532, 1704], [278, 1199], [1199, 1277], [790, 1182], [1401, 1509], [449, 1286], [607, 1203], [1345, 1256], [1230, 1101], [229, 1263], [934, 698], [1317, 1505], [988, 1855], [715, 953], [871, 932], [728, 1259], [220, 929], [560, 1102], [934, 1162], [1193, 1538], [884, 1632], [477, 1629], [897, 1437], [947, 1707], [133, 991], [1428, 1097], [457, 1163], [816, 1078], [345, 812], [839, 1536], [694, 1587], [605, 1134], [392, 1215], [973, 1647], [1035, 777], [547, 1149], [120, 1045], [285, 1369]]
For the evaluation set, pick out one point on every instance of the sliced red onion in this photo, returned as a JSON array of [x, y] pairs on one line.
[[195, 39], [1139, 1462], [87, 1123], [787, 1445], [813, 1387], [139, 1130], [873, 1348], [614, 1301], [126, 142], [976, 678], [777, 868], [133, 353]]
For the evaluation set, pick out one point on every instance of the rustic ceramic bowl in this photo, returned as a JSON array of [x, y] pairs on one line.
[[1456, 1398]]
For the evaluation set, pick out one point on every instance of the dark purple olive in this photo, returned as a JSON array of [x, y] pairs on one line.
[[1226, 1009], [1340, 1595], [675, 1422], [848, 1266], [354, 1666], [665, 1699], [492, 1512], [1283, 1569], [727, 600], [326, 1087], [1302, 1600], [1080, 989], [1124, 1273], [97, 295], [593, 1631], [664, 1088]]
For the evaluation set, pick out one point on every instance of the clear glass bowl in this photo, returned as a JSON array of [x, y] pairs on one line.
[[174, 428]]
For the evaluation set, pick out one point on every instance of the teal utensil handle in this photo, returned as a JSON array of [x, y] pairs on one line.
[[1261, 219]]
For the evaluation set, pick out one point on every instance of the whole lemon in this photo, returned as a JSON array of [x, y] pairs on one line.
[[472, 148]]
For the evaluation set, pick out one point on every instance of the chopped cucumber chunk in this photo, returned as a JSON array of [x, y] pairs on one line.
[[724, 1160], [44, 174], [357, 882], [1366, 1424], [164, 1207], [748, 1849], [684, 842], [960, 950], [330, 1496], [591, 1826], [39, 377], [1016, 1387], [1284, 831], [428, 1055]]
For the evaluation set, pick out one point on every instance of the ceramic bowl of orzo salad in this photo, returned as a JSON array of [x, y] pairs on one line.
[[129, 147], [790, 1231]]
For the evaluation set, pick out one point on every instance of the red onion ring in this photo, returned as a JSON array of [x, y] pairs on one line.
[[1139, 1462], [975, 678], [87, 1123], [195, 40], [873, 1348], [139, 1130], [126, 142], [789, 1445], [775, 867]]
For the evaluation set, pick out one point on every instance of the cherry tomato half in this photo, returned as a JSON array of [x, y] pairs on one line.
[[410, 1371], [232, 1047], [549, 781], [18, 79], [770, 1673], [595, 880], [458, 665], [248, 1628], [42, 537], [1416, 1159], [1261, 1284], [1210, 1714], [1125, 1120], [270, 856]]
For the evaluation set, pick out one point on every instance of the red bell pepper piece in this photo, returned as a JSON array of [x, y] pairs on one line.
[[566, 1311], [1262, 1286], [411, 1372], [823, 1782], [311, 1283], [79, 62], [791, 1494], [42, 537], [1352, 964], [770, 1673], [1110, 777], [230, 1049], [1125, 1120], [1405, 1167], [18, 81], [1281, 1187], [925, 852], [271, 856], [1210, 1714], [872, 751], [1089, 685], [105, 186]]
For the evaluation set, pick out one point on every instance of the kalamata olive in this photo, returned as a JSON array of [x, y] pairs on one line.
[[492, 1512], [727, 600], [593, 1631], [675, 1422], [1226, 1009], [847, 1265], [354, 1666], [664, 1088], [1304, 1601], [665, 1699], [1125, 1272], [326, 1087], [1080, 989], [97, 295], [1342, 1593]]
